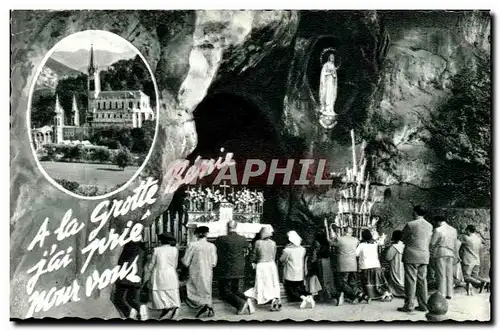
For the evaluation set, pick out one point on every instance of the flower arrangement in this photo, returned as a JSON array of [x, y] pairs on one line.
[[245, 200]]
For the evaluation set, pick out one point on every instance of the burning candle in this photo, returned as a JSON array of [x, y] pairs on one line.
[[153, 233], [367, 189], [363, 169], [354, 166], [160, 224]]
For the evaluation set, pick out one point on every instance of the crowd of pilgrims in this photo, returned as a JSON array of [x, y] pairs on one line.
[[334, 269]]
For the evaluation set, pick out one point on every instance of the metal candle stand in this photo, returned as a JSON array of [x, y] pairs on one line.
[[355, 200]]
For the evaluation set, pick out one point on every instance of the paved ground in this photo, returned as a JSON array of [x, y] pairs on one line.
[[102, 175], [461, 308]]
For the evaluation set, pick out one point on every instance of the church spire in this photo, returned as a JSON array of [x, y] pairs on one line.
[[76, 113], [92, 67], [59, 109], [58, 122]]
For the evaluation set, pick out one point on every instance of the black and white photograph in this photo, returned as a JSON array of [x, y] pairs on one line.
[[93, 113], [247, 166]]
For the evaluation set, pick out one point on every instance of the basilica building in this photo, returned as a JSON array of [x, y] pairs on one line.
[[106, 109], [115, 108]]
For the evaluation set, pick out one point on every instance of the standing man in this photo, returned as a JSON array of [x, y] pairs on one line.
[[443, 249], [200, 258], [231, 251], [347, 267], [471, 247], [416, 237]]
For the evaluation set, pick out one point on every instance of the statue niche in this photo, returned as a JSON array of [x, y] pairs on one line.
[[328, 88]]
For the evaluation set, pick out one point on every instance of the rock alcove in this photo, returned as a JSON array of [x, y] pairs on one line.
[[393, 65], [234, 123]]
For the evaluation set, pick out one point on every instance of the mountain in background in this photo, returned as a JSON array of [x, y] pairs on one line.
[[52, 72], [79, 60]]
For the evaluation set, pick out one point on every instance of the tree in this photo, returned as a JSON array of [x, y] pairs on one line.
[[149, 129], [68, 184], [51, 152], [42, 108], [69, 87], [459, 133], [75, 152], [123, 158], [130, 74], [101, 155]]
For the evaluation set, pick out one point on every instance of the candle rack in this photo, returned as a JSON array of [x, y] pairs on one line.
[[355, 199]]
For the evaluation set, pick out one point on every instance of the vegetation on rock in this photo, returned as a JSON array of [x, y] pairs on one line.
[[459, 132]]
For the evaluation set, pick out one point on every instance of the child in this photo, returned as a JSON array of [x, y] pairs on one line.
[[293, 258]]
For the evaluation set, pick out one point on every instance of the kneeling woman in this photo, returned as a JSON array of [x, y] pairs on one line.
[[200, 258], [372, 278], [267, 285], [164, 281]]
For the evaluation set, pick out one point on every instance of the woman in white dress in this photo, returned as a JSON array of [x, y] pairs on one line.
[[164, 281], [267, 284], [328, 87]]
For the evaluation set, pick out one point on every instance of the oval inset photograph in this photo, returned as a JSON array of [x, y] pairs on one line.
[[93, 114]]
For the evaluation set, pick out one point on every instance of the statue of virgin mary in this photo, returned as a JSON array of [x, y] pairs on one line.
[[328, 86], [328, 91]]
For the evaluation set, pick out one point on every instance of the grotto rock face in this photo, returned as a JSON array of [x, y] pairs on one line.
[[395, 67], [175, 46], [427, 49], [395, 70]]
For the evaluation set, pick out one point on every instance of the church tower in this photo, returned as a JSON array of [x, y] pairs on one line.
[[93, 83], [58, 122], [93, 86], [76, 113]]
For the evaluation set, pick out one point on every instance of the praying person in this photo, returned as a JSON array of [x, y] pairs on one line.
[[267, 285], [416, 236], [231, 252], [127, 293], [470, 255], [372, 278], [396, 272], [200, 258], [164, 279], [322, 265], [347, 267], [293, 259], [443, 249]]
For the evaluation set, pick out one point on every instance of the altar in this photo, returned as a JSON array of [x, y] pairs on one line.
[[213, 208]]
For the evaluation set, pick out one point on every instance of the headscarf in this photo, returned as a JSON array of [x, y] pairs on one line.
[[265, 232], [294, 238]]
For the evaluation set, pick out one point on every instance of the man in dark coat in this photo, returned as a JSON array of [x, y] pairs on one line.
[[416, 237], [231, 250], [127, 294]]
